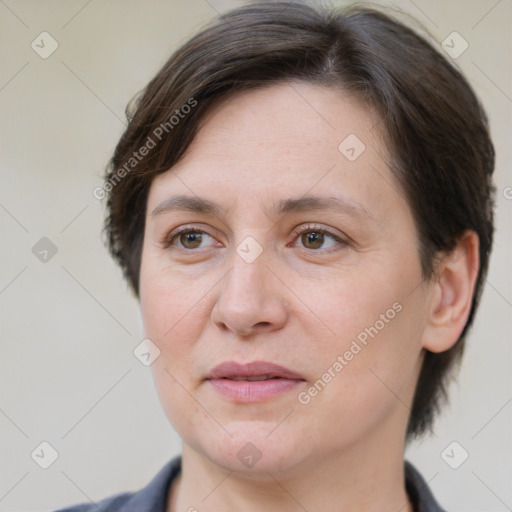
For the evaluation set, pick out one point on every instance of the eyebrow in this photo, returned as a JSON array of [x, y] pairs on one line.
[[284, 206]]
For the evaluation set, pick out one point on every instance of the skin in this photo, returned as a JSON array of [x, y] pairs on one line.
[[298, 304]]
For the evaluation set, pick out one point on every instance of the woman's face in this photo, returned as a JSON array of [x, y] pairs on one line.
[[301, 252]]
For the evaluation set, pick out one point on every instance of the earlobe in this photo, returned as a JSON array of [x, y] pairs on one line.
[[452, 296]]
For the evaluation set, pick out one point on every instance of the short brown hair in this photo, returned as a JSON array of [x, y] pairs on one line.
[[436, 130]]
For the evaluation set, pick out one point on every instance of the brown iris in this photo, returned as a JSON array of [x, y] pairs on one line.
[[312, 239], [191, 240]]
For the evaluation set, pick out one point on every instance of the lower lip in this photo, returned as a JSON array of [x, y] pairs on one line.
[[253, 390]]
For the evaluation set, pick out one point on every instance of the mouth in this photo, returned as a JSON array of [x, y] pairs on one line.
[[253, 382], [253, 378]]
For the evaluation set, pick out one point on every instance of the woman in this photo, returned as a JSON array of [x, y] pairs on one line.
[[302, 203]]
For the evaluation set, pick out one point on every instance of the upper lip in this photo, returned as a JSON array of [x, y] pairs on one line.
[[232, 369]]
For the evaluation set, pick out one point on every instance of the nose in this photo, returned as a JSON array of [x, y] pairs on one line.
[[251, 300]]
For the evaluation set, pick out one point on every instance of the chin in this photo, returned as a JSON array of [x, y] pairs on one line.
[[255, 449]]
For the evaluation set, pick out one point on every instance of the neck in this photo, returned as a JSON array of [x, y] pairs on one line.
[[368, 477]]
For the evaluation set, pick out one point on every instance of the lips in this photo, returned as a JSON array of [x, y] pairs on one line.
[[253, 382], [256, 370]]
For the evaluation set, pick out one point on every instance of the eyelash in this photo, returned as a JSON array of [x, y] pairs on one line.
[[312, 228], [168, 240]]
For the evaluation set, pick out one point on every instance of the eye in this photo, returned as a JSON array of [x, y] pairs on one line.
[[188, 238], [310, 237], [315, 239]]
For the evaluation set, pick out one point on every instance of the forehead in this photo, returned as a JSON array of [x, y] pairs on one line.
[[288, 114], [280, 141]]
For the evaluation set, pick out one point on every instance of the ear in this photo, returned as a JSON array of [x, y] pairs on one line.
[[452, 294]]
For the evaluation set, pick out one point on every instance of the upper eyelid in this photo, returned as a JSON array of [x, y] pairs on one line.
[[168, 237], [297, 231], [308, 226], [302, 228]]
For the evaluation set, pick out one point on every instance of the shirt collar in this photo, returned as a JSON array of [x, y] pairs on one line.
[[153, 498]]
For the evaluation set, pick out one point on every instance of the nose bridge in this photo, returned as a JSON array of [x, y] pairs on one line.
[[248, 263], [249, 299], [246, 280]]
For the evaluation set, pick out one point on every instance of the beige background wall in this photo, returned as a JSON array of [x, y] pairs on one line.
[[68, 325]]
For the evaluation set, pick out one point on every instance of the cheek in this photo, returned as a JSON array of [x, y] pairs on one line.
[[368, 370], [172, 312], [374, 326], [175, 311], [359, 303], [172, 306]]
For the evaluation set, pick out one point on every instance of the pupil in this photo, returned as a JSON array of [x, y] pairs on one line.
[[313, 240], [191, 240]]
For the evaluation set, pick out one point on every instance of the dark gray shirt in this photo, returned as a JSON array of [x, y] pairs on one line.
[[153, 498]]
